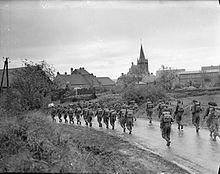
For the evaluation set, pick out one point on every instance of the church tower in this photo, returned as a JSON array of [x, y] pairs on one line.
[[142, 63]]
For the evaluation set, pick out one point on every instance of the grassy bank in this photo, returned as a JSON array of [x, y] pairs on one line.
[[33, 143]]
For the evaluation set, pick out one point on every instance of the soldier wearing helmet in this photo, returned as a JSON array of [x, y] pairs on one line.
[[196, 109], [178, 114], [122, 116], [149, 109], [212, 119], [165, 123]]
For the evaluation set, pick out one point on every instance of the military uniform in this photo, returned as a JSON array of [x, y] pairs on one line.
[[90, 116], [212, 120], [160, 108], [99, 114], [59, 112], [53, 113], [196, 109], [149, 110], [85, 115], [165, 124], [178, 114], [105, 117], [78, 112], [70, 113], [130, 119], [65, 114], [122, 117], [112, 117]]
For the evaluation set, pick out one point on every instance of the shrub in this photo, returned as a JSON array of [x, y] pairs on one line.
[[141, 93]]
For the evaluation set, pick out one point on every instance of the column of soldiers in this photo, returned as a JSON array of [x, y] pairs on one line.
[[108, 114], [105, 114], [166, 117]]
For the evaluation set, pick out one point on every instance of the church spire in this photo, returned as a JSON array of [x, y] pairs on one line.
[[142, 57]]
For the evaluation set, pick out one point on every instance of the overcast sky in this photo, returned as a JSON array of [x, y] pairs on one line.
[[105, 37]]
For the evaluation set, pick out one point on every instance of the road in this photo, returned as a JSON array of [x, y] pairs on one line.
[[195, 152]]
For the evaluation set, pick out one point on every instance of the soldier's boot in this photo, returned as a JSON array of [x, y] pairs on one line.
[[179, 126], [214, 138], [210, 134], [106, 126], [124, 129], [182, 127], [90, 124], [197, 130], [86, 124], [60, 120], [150, 121], [168, 143], [113, 127]]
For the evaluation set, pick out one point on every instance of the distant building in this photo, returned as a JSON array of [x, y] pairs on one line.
[[199, 77], [142, 68], [176, 71], [207, 68], [78, 78], [106, 82]]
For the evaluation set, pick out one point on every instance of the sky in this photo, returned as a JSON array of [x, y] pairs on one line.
[[105, 37]]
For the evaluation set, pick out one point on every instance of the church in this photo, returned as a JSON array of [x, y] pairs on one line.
[[141, 69], [140, 72]]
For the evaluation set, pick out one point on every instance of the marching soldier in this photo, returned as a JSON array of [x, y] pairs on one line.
[[165, 124], [122, 117], [106, 116], [112, 117], [70, 113], [196, 109], [130, 118], [212, 120], [65, 113], [90, 115], [99, 114], [78, 113], [59, 112], [178, 114], [53, 113], [161, 105], [85, 115], [149, 109]]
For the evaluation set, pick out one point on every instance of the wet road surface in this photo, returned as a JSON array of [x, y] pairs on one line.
[[193, 151]]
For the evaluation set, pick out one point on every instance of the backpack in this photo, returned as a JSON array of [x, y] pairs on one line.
[[197, 107], [180, 109], [150, 105], [167, 117]]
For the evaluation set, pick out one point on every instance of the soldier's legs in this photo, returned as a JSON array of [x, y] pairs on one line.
[[197, 120], [150, 116], [99, 119]]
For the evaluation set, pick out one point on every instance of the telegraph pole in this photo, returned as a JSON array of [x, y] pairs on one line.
[[3, 73]]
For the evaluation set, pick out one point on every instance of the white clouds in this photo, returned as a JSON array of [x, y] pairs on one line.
[[104, 37]]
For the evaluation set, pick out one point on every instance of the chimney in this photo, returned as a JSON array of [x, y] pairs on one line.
[[71, 70], [58, 73], [132, 63], [82, 67], [122, 74], [65, 73]]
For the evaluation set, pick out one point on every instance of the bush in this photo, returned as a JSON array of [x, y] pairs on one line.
[[31, 143], [141, 93]]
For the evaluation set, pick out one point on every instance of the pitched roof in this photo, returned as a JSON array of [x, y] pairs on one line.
[[73, 79], [105, 81], [92, 80], [11, 75], [142, 57], [81, 71]]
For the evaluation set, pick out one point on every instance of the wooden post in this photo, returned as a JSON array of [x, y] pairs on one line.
[[2, 76]]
